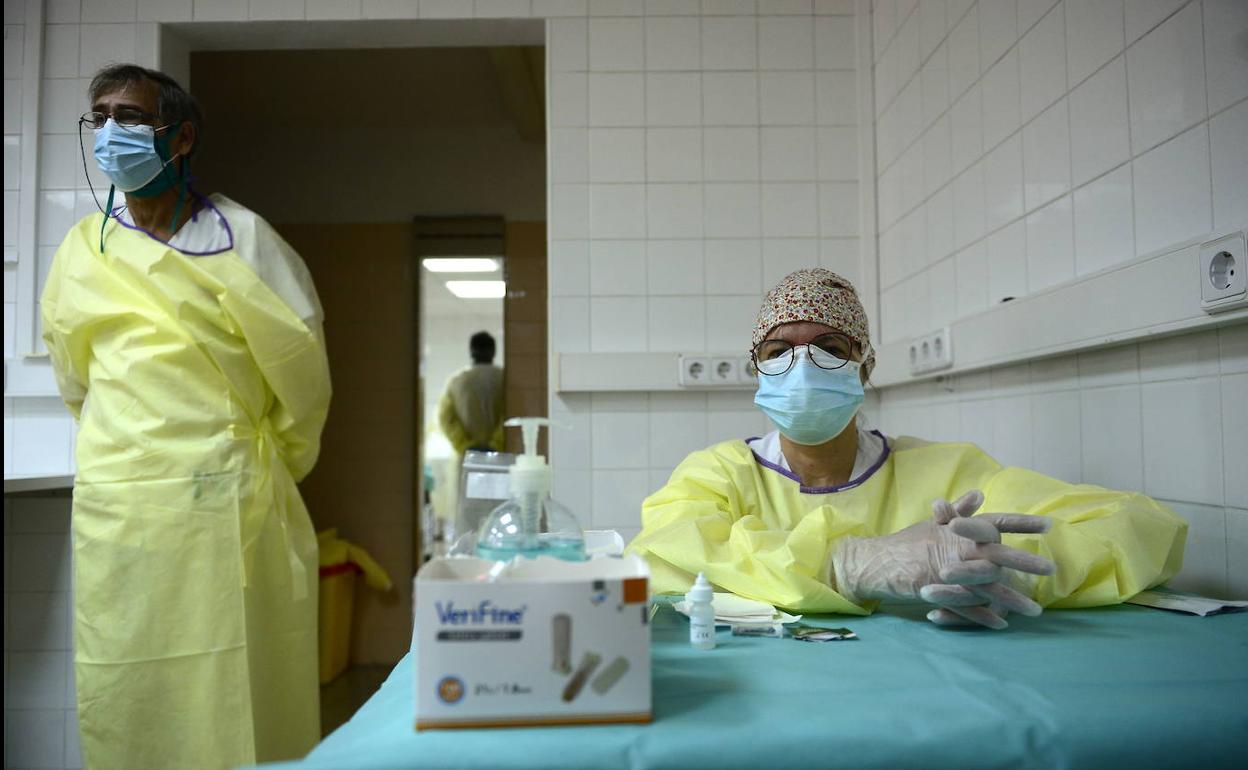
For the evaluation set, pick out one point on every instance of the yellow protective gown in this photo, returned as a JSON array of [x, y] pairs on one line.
[[755, 532], [470, 412], [201, 397]]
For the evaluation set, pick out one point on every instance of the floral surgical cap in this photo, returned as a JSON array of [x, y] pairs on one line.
[[820, 296]]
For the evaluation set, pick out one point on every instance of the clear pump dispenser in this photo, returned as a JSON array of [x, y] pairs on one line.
[[530, 524]]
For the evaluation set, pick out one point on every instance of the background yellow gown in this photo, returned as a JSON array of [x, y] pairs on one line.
[[201, 397], [754, 532], [470, 411]]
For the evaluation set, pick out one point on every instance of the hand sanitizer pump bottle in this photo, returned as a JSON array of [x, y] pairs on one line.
[[701, 614], [530, 523]]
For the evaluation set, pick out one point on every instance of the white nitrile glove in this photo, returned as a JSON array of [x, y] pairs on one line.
[[984, 604], [951, 560], [971, 606]]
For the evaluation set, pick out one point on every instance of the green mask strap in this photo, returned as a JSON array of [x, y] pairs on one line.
[[108, 212], [179, 183], [182, 196]]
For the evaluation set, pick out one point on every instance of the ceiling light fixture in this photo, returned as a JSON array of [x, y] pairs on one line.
[[460, 264], [477, 289]]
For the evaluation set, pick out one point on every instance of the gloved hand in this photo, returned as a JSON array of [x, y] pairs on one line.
[[985, 604], [974, 606], [958, 557]]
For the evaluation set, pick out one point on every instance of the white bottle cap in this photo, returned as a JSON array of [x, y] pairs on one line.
[[701, 591]]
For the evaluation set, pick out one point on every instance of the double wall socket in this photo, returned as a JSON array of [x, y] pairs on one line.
[[709, 371], [1224, 273], [931, 352]]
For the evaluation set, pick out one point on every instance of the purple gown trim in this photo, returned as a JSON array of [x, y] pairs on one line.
[[868, 473], [194, 216]]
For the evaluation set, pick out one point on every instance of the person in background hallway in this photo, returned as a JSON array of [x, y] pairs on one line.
[[470, 412], [186, 338]]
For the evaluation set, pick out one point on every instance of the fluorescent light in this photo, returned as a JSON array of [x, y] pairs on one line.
[[460, 265], [477, 289]]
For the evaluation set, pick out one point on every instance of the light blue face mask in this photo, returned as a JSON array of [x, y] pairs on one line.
[[131, 157], [811, 405]]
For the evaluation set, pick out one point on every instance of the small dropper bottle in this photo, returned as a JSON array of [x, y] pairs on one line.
[[701, 615]]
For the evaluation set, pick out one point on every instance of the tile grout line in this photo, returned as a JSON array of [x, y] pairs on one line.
[[1204, 66]]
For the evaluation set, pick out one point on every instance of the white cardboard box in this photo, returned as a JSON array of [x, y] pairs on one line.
[[532, 642]]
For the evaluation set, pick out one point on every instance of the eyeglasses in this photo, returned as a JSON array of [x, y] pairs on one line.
[[126, 117], [827, 351]]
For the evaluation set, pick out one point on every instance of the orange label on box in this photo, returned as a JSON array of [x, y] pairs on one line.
[[635, 591]]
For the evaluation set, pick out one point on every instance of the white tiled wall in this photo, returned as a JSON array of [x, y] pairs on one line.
[[39, 712], [14, 53], [1061, 138], [40, 722], [1058, 138]]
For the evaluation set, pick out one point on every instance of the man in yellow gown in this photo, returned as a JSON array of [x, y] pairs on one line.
[[470, 412], [186, 339], [823, 515]]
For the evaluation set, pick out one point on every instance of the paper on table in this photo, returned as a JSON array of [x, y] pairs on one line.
[[730, 608], [1194, 605]]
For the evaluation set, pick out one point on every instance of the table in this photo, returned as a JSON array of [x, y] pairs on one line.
[[1124, 686]]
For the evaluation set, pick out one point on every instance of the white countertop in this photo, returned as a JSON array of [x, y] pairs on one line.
[[37, 483]]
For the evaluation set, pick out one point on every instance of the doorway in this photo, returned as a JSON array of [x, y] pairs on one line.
[[341, 149], [462, 342], [478, 291]]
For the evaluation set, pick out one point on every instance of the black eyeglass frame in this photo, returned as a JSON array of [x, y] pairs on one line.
[[91, 119], [850, 345]]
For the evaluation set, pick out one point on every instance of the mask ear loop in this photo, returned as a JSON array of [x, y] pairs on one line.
[[107, 209], [82, 150]]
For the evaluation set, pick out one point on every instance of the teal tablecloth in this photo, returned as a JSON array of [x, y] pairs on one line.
[[1119, 686]]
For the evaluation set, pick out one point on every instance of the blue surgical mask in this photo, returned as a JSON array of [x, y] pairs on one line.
[[133, 158], [811, 405]]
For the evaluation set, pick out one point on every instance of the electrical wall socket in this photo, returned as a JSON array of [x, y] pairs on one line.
[[745, 371], [707, 370], [931, 352], [695, 371], [1224, 273], [724, 371]]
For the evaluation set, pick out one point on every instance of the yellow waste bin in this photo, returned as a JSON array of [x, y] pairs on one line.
[[340, 562]]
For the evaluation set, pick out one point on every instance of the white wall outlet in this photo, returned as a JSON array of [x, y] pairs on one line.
[[745, 371], [695, 371], [724, 371], [931, 352], [1224, 273]]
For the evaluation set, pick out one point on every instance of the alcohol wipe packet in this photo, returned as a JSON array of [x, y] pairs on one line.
[[808, 633]]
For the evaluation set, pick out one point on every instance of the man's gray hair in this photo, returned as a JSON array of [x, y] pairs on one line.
[[173, 103]]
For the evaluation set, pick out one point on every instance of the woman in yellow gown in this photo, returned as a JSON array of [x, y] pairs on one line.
[[825, 516]]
